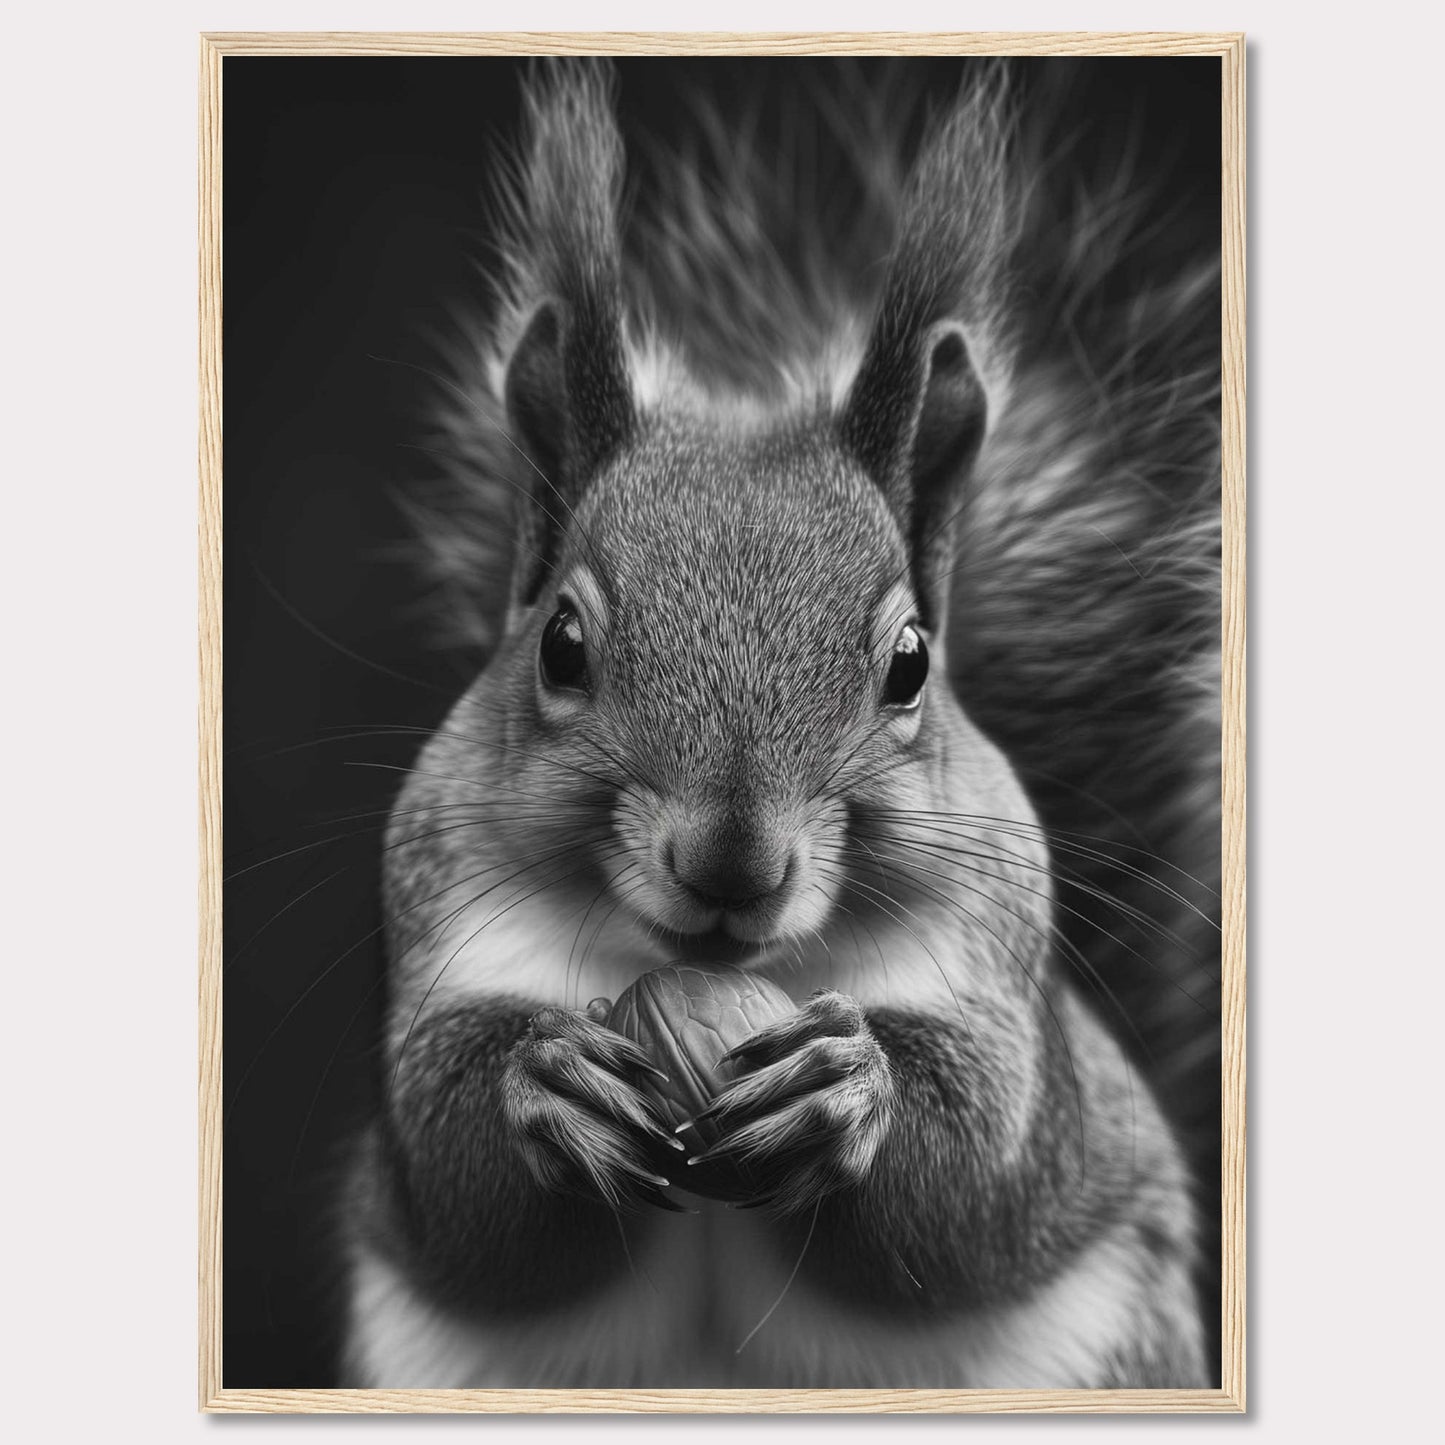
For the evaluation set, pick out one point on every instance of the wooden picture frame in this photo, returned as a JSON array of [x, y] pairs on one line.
[[1230, 1397]]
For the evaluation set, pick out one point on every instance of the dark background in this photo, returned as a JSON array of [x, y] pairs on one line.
[[353, 225]]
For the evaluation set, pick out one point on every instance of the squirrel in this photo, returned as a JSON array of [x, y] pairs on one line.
[[852, 629]]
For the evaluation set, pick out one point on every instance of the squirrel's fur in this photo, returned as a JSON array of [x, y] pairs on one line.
[[716, 412]]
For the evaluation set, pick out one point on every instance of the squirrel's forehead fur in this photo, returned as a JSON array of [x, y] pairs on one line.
[[693, 516], [743, 572]]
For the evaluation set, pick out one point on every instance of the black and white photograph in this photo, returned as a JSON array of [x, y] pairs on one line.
[[722, 774]]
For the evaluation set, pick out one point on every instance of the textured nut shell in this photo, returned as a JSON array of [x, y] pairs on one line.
[[686, 1018]]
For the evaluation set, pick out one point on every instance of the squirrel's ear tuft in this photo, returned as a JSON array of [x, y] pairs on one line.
[[916, 419]]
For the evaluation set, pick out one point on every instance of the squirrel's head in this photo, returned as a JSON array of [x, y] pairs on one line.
[[735, 626]]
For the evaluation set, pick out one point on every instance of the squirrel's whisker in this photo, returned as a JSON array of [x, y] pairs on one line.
[[946, 853]]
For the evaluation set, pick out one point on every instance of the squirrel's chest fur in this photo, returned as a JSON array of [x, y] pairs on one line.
[[709, 1303]]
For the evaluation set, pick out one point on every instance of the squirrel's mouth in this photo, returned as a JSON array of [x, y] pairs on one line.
[[713, 945]]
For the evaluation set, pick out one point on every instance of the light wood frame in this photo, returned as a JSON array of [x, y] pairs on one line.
[[1231, 1396]]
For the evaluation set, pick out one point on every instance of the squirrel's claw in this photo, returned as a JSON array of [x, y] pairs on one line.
[[580, 1120], [809, 1114]]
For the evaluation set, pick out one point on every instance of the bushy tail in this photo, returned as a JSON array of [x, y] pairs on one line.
[[1087, 611]]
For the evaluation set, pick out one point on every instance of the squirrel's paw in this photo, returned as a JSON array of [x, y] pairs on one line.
[[570, 1093], [810, 1108]]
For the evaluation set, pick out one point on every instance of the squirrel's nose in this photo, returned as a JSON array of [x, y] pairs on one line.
[[724, 870]]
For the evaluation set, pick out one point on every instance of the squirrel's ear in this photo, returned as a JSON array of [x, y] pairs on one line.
[[916, 418], [569, 408], [536, 395], [568, 399]]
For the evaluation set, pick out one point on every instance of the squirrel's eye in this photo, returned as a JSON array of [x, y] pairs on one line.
[[564, 658], [908, 670]]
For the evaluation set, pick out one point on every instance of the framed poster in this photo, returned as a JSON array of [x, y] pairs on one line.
[[733, 689]]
